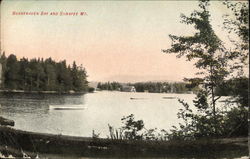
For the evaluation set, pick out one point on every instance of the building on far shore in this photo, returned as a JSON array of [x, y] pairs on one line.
[[128, 89]]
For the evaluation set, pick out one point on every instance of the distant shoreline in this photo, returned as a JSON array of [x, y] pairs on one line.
[[42, 92]]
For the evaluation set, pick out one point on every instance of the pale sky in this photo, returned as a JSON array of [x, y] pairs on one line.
[[116, 41]]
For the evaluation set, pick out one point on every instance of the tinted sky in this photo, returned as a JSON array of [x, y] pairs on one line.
[[116, 41]]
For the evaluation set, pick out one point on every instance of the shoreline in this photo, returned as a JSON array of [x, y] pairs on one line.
[[44, 143], [42, 92]]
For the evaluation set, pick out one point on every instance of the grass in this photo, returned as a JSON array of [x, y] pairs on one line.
[[96, 147]]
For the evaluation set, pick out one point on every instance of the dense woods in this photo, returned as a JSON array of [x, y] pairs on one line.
[[164, 87], [42, 75], [111, 86]]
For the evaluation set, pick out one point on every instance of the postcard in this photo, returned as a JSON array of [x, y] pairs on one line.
[[124, 79]]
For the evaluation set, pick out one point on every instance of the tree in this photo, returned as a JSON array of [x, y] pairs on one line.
[[210, 56], [24, 64], [64, 77], [39, 75], [50, 71], [132, 127], [239, 25], [3, 61], [11, 73], [79, 77]]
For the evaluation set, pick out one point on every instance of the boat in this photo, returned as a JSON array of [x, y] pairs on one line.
[[169, 97], [67, 107], [136, 98]]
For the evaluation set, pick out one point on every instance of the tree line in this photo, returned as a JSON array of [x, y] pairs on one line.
[[151, 87], [40, 74], [164, 87], [110, 86]]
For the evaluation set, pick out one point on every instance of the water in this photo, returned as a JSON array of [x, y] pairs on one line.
[[33, 113]]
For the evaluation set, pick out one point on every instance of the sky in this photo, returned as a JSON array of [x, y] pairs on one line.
[[115, 40]]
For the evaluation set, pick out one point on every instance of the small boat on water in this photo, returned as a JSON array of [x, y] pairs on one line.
[[169, 97], [67, 107], [136, 98]]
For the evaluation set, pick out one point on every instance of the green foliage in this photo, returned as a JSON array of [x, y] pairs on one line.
[[116, 134], [111, 86], [42, 75], [152, 87], [135, 130], [132, 128], [160, 87], [91, 89], [95, 135], [237, 88], [214, 63], [199, 124], [79, 76], [239, 24], [235, 122], [210, 58], [11, 72]]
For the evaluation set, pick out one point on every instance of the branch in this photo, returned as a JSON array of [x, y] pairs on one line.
[[217, 98]]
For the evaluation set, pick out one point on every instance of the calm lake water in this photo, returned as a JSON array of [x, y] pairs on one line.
[[34, 113]]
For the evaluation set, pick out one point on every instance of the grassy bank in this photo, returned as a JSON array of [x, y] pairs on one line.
[[81, 146]]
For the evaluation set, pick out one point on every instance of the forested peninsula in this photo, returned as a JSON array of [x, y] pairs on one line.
[[41, 75]]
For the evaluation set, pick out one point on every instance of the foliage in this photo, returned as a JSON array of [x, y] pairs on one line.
[[160, 87], [237, 88], [112, 86], [239, 25], [205, 47], [152, 87], [214, 62], [235, 123], [199, 124], [91, 89], [95, 135], [42, 75], [116, 134], [155, 134], [131, 129], [135, 130]]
